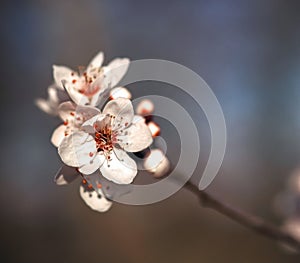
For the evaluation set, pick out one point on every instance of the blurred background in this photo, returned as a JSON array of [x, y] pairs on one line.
[[249, 54]]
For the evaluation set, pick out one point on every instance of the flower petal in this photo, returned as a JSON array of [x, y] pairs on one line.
[[58, 135], [122, 109], [120, 169], [95, 63], [136, 137], [100, 88], [87, 111], [111, 189], [65, 109], [77, 97], [66, 175], [50, 105], [45, 106], [93, 165], [53, 95], [68, 110], [95, 200], [89, 125], [77, 149], [62, 73], [115, 71], [120, 92]]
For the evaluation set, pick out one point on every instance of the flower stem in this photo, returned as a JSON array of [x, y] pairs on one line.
[[246, 219]]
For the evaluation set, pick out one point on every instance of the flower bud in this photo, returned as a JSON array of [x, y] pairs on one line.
[[157, 163], [154, 128], [145, 107]]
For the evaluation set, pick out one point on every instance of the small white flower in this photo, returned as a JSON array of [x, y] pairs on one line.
[[93, 197], [73, 117], [104, 140], [85, 88], [55, 97]]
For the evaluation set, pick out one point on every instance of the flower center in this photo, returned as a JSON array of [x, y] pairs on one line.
[[84, 84], [104, 140], [105, 136]]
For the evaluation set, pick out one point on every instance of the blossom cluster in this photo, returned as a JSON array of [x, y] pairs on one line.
[[100, 129]]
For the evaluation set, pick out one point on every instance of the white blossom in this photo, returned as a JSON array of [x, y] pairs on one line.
[[73, 117], [104, 140], [93, 197], [86, 88]]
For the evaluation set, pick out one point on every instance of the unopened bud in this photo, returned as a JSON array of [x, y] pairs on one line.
[[145, 107], [157, 163], [154, 128]]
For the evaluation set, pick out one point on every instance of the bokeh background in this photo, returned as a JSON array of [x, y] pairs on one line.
[[249, 54]]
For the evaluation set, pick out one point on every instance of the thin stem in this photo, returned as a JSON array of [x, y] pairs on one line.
[[246, 219]]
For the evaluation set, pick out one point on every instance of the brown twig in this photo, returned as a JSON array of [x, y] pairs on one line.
[[250, 221]]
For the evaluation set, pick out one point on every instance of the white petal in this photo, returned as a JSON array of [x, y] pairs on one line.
[[61, 73], [65, 109], [120, 92], [87, 112], [58, 135], [99, 86], [66, 175], [95, 63], [96, 98], [76, 149], [93, 165], [120, 169], [115, 71], [53, 95], [109, 188], [77, 97], [136, 137], [122, 109], [95, 200], [45, 106], [89, 125]]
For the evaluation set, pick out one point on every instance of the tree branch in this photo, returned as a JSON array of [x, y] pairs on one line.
[[250, 221]]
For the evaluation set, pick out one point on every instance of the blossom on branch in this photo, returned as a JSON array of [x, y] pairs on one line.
[[103, 141], [87, 86]]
